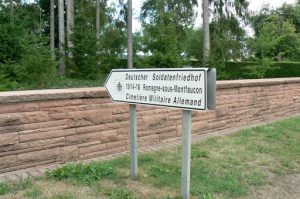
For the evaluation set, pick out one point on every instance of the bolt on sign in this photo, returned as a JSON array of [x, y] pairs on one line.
[[185, 88]]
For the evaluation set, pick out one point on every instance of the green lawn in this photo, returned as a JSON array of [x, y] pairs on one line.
[[222, 167]]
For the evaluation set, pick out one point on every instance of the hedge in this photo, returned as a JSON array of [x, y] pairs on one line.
[[231, 70], [241, 70]]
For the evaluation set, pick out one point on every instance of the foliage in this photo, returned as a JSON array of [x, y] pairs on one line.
[[276, 34], [34, 192], [167, 38], [83, 63], [259, 69], [117, 193], [84, 173], [64, 195], [284, 69], [24, 59], [36, 69], [3, 188], [193, 45], [11, 188], [264, 68], [163, 24], [199, 154]]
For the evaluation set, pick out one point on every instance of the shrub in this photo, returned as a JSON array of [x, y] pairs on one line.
[[85, 173]]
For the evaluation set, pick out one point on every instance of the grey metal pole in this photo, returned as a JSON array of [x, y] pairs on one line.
[[132, 107], [133, 139], [186, 153]]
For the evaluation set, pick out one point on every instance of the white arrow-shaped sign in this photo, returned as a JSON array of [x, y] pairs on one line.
[[177, 87]]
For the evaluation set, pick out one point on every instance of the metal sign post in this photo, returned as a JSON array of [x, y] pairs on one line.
[[184, 88], [133, 141], [186, 153]]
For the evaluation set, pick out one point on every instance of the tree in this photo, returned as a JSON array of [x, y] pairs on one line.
[[276, 39], [163, 25], [291, 13], [89, 46], [24, 52], [227, 36]]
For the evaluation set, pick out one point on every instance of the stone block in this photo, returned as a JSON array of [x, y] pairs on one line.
[[88, 101], [37, 156], [167, 135], [8, 161], [46, 135], [92, 147], [121, 117], [42, 125], [82, 138], [11, 108], [31, 106], [199, 126], [9, 129], [58, 116], [59, 103], [117, 144], [10, 119], [9, 149], [7, 139], [93, 129], [69, 153], [90, 117], [34, 117], [45, 143], [25, 165], [148, 140]]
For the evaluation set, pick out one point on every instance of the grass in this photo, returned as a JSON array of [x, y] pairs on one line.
[[83, 173], [34, 192], [63, 195], [11, 188], [222, 167]]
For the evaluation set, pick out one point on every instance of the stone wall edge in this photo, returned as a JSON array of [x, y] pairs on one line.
[[52, 94], [100, 92]]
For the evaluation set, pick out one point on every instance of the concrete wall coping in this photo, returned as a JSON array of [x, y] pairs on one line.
[[52, 94], [256, 82], [100, 92]]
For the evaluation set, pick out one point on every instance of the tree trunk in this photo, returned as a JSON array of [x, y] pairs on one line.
[[98, 30], [162, 13], [11, 4], [129, 34], [70, 26], [206, 45], [61, 27], [52, 27]]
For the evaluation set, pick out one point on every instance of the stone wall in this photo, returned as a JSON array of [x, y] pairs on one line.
[[55, 126]]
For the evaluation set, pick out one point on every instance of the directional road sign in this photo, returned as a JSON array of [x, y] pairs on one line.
[[173, 87]]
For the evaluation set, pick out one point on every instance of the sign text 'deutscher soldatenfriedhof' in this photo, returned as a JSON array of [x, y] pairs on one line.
[[182, 88]]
